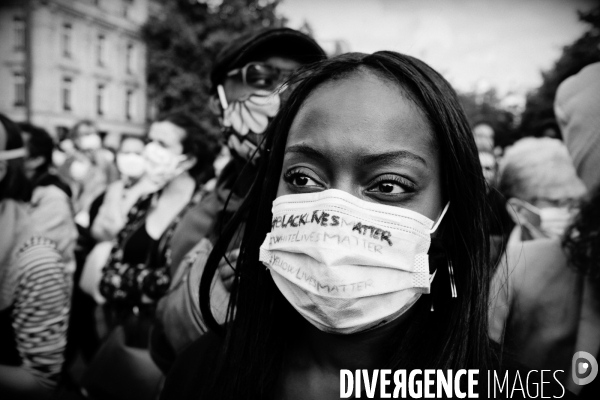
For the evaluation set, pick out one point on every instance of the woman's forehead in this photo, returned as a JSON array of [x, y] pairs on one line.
[[364, 112], [166, 131]]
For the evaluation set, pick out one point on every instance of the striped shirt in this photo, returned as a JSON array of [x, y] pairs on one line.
[[41, 309]]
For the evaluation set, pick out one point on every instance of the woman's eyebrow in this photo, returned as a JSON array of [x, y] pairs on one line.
[[307, 151], [368, 159], [391, 156]]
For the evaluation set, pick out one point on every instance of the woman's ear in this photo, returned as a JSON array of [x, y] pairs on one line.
[[214, 105], [3, 168], [513, 207]]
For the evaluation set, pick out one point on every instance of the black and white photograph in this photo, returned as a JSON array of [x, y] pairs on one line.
[[299, 199]]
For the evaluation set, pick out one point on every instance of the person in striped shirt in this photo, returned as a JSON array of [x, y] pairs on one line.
[[35, 286]]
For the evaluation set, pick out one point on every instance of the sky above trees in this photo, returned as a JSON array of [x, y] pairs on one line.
[[476, 44]]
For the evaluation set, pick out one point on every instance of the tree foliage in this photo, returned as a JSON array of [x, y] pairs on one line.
[[486, 108], [539, 110], [183, 38]]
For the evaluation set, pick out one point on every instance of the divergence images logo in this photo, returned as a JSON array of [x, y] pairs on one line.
[[584, 368]]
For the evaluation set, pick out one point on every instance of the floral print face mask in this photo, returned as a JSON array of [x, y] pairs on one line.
[[246, 120]]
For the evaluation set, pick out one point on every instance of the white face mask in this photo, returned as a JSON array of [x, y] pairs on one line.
[[555, 220], [131, 165], [79, 169], [161, 165], [90, 142], [345, 264]]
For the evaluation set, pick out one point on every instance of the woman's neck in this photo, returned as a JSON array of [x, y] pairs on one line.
[[364, 350], [179, 183]]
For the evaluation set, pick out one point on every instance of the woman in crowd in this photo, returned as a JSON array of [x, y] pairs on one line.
[[544, 300], [109, 212], [89, 169], [179, 160], [369, 160], [539, 180], [51, 197], [34, 285]]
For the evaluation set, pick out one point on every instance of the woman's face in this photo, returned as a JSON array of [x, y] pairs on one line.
[[363, 135], [167, 135]]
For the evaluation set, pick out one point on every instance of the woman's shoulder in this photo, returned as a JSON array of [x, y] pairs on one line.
[[192, 368]]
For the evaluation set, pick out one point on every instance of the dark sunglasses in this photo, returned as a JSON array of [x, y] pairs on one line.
[[261, 76]]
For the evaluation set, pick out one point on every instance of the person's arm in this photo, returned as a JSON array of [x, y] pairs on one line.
[[500, 302], [53, 218], [40, 320], [109, 219]]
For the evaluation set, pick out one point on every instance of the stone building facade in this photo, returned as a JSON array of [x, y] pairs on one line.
[[66, 60]]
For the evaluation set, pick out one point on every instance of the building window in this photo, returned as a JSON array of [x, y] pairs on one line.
[[100, 99], [19, 30], [129, 58], [66, 92], [19, 79], [129, 104], [100, 49], [67, 34]]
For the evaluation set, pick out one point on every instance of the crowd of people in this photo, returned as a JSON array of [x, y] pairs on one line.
[[349, 217]]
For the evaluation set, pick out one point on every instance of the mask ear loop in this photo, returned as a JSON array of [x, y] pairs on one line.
[[435, 226], [450, 266], [222, 97]]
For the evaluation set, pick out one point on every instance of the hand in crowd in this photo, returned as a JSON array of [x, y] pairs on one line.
[[226, 272]]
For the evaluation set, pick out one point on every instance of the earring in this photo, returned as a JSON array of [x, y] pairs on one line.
[[452, 283]]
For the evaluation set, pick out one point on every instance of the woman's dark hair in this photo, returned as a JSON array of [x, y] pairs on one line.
[[40, 143], [582, 241], [15, 184], [197, 142], [453, 336]]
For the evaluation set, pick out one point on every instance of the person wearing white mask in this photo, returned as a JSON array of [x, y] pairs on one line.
[[247, 90], [35, 285], [546, 307], [120, 195], [538, 307], [538, 178], [365, 247], [89, 169], [113, 207], [177, 162]]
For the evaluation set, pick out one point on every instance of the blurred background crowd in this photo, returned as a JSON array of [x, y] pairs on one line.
[[108, 123]]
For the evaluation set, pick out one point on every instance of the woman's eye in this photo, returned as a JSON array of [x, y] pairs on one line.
[[388, 188], [391, 185], [300, 179]]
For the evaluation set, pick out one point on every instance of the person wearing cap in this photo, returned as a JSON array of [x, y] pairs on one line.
[[247, 90], [35, 285]]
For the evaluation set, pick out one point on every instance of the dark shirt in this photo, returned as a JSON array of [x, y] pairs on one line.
[[193, 367], [47, 178]]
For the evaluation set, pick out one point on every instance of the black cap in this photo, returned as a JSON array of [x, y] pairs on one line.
[[253, 46]]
